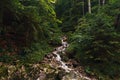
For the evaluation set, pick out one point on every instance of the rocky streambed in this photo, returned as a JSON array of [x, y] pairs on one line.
[[62, 70], [54, 66]]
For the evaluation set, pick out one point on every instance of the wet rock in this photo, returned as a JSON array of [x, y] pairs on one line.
[[1, 63], [54, 55], [74, 63], [61, 74], [55, 66], [42, 75], [49, 56], [64, 57]]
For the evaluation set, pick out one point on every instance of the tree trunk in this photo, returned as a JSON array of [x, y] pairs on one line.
[[1, 15], [103, 2], [71, 5], [83, 8], [89, 6], [99, 3], [117, 23]]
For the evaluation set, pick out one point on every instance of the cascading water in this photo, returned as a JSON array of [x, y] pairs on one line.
[[72, 74], [63, 65]]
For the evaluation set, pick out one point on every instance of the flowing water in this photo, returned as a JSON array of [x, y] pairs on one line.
[[71, 73]]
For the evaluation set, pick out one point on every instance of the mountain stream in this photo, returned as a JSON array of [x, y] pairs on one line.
[[56, 62]]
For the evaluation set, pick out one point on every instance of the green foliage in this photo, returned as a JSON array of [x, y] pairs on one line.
[[69, 11], [27, 26], [3, 71], [30, 18], [96, 43], [35, 54], [6, 58]]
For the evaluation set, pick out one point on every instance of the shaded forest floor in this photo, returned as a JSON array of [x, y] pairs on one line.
[[47, 69]]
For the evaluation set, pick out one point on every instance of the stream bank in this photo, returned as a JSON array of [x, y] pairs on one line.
[[61, 69], [54, 66]]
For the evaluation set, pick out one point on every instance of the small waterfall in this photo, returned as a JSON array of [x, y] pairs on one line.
[[63, 65], [72, 74], [58, 58]]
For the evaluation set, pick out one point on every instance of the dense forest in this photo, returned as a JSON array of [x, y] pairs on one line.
[[31, 30]]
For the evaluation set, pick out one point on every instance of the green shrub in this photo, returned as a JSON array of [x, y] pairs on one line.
[[3, 71], [97, 44]]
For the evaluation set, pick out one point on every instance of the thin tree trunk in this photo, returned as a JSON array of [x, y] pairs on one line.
[[1, 14], [99, 2], [1, 17], [89, 6], [71, 5], [103, 2]]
